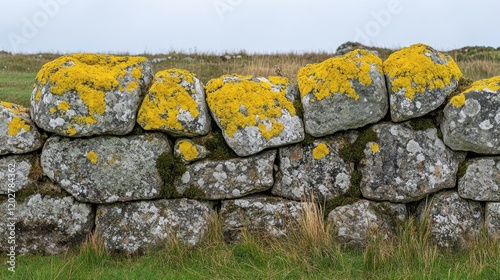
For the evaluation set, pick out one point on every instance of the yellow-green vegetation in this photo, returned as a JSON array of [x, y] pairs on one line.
[[356, 152], [166, 97], [170, 168], [486, 85], [320, 151], [188, 150], [412, 69], [422, 123], [216, 145], [336, 75], [93, 157], [241, 101]]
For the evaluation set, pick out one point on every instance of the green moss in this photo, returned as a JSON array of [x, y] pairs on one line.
[[170, 168], [462, 168], [299, 109], [138, 130], [352, 194], [422, 123], [355, 152], [216, 145], [337, 202], [355, 190], [308, 139], [194, 192]]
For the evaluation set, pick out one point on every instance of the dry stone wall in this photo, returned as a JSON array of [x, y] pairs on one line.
[[138, 158]]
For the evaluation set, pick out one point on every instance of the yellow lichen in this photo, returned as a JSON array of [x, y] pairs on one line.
[[16, 125], [7, 104], [320, 151], [188, 150], [71, 131], [241, 101], [375, 147], [336, 75], [486, 85], [165, 100], [412, 69], [458, 100], [63, 105], [93, 157], [52, 110]]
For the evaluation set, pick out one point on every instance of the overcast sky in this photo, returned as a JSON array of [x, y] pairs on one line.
[[257, 26]]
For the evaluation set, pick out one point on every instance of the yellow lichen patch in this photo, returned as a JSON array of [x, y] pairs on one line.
[[375, 147], [132, 86], [16, 125], [335, 75], [320, 151], [7, 104], [71, 130], [413, 70], [489, 85], [93, 157], [458, 100], [165, 100], [188, 150], [52, 110], [241, 101], [63, 105]]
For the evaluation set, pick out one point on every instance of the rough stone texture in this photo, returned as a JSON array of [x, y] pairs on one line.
[[88, 94], [343, 93], [229, 178], [451, 219], [175, 104], [18, 133], [405, 165], [356, 223], [492, 219], [106, 169], [46, 225], [14, 172], [419, 79], [267, 216], [189, 151], [481, 180], [136, 227], [472, 119], [313, 169], [254, 113]]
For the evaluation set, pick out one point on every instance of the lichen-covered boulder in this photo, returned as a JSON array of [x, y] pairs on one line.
[[106, 169], [315, 169], [343, 93], [254, 113], [472, 119], [405, 164], [226, 179], [90, 94], [419, 80], [492, 219], [481, 180], [189, 151], [356, 223], [15, 172], [175, 104], [452, 219], [18, 133], [45, 224], [261, 215], [137, 227]]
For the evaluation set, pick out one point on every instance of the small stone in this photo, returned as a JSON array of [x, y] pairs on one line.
[[189, 151], [15, 172], [481, 180]]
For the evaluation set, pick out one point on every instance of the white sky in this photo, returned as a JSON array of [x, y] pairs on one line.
[[155, 26]]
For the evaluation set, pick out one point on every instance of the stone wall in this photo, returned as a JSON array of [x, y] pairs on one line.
[[141, 158]]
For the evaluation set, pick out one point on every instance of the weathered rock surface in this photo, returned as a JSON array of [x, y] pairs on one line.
[[492, 219], [481, 180], [254, 113], [18, 133], [313, 169], [15, 171], [175, 104], [343, 93], [452, 219], [136, 227], [405, 165], [472, 119], [267, 216], [45, 224], [106, 169], [419, 80], [356, 223], [228, 179], [189, 151], [90, 94]]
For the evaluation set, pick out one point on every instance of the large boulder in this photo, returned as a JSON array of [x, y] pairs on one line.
[[254, 113], [45, 224], [405, 164], [451, 219], [356, 223], [226, 179], [419, 80], [481, 180], [15, 172], [107, 168], [175, 104], [18, 133], [90, 94], [343, 93], [472, 119], [260, 215], [492, 219], [315, 169], [137, 227]]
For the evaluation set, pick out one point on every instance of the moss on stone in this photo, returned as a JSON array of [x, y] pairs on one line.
[[355, 190], [355, 152], [352, 194], [170, 168], [194, 192], [299, 109], [308, 139], [423, 123], [216, 145], [462, 168]]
